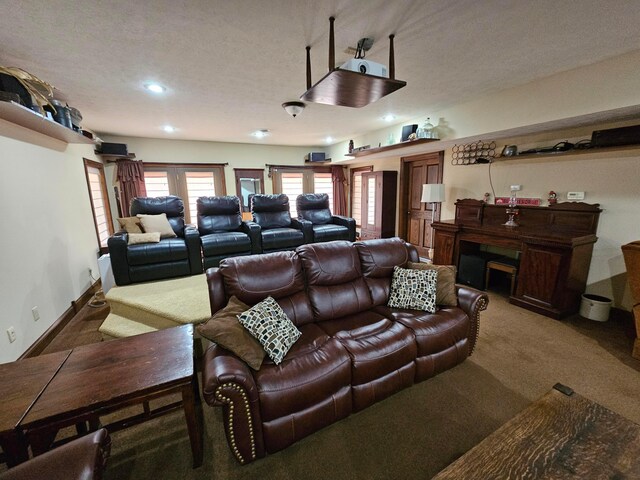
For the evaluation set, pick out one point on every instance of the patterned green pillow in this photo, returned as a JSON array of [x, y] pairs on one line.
[[268, 323], [414, 289]]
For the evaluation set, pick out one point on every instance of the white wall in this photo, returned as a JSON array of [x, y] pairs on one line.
[[48, 239]]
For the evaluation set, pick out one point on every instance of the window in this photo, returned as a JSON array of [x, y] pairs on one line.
[[186, 181], [99, 199], [356, 193], [296, 181]]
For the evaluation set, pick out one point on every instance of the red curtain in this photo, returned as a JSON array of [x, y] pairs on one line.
[[339, 190], [131, 177]]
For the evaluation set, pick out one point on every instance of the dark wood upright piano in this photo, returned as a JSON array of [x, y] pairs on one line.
[[555, 245]]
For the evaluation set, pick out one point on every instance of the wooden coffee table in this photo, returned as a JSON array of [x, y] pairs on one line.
[[101, 378], [22, 383], [560, 436]]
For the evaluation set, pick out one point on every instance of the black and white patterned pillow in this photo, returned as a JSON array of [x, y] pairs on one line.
[[415, 289], [268, 323]]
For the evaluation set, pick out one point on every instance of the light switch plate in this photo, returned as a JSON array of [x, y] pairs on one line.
[[575, 195]]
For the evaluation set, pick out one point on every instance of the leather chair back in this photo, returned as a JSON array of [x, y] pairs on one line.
[[271, 211], [171, 205], [285, 282], [218, 214], [314, 207]]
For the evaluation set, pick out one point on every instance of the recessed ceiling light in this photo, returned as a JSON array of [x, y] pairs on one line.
[[155, 88], [389, 117], [261, 133], [169, 129], [328, 139]]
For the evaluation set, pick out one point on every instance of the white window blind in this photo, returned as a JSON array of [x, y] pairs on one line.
[[292, 186], [356, 198], [199, 184], [156, 183], [99, 211], [322, 183]]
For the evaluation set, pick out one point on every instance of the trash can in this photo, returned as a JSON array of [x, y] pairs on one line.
[[595, 307]]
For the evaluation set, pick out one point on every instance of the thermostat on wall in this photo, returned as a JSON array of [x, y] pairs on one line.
[[575, 195]]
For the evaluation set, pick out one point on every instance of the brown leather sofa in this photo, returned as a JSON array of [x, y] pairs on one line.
[[353, 351]]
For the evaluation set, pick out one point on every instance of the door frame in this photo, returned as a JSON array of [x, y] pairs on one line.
[[405, 191]]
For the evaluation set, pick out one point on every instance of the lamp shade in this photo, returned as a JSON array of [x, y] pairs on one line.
[[432, 193]]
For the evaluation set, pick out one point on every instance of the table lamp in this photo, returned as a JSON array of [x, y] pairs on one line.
[[432, 193]]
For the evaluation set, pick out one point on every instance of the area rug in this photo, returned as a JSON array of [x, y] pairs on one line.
[[149, 306]]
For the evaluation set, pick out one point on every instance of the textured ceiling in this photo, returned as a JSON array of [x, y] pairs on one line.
[[229, 65]]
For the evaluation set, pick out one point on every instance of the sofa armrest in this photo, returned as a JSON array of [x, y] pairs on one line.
[[253, 230], [192, 239], [217, 299], [472, 301], [117, 245], [83, 458], [306, 226], [227, 381], [348, 222]]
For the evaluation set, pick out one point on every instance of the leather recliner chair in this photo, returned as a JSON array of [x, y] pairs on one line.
[[170, 257], [222, 232], [278, 231], [314, 207], [81, 459]]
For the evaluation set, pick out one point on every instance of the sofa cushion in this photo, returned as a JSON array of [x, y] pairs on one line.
[[382, 355], [218, 214], [414, 289], [166, 250], [379, 256], [224, 329], [315, 367], [336, 287], [157, 223], [330, 232], [272, 328], [225, 242], [285, 282], [130, 224], [309, 390], [281, 238], [445, 282], [138, 238], [442, 338]]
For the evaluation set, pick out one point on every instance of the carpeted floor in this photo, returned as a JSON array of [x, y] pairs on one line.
[[417, 432]]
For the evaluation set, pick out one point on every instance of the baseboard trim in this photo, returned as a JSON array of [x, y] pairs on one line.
[[47, 337]]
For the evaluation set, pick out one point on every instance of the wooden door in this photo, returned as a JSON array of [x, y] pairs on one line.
[[417, 171]]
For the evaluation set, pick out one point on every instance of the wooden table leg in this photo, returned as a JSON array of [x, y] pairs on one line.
[[194, 422]]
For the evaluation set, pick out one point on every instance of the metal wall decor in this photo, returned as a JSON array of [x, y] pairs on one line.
[[472, 153]]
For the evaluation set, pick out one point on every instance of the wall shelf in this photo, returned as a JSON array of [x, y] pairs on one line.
[[395, 146], [569, 153], [24, 117]]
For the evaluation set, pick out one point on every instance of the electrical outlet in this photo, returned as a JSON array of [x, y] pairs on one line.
[[11, 333], [516, 188], [36, 313], [575, 195]]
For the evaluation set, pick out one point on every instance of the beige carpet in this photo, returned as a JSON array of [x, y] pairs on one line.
[[149, 306], [417, 432]]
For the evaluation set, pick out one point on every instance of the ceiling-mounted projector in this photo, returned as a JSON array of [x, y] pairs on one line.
[[367, 67]]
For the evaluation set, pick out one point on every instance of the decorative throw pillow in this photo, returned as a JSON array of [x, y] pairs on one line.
[[224, 329], [445, 282], [149, 237], [272, 328], [415, 289], [157, 223], [130, 224]]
